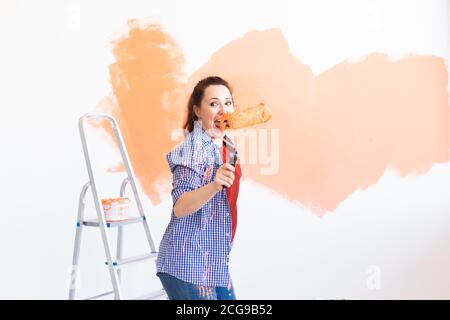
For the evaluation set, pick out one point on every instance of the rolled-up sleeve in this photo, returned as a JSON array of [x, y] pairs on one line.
[[186, 168], [185, 179]]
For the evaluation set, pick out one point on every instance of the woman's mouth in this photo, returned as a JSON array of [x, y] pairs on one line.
[[217, 124]]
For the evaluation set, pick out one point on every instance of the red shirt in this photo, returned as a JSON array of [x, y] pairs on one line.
[[233, 192]]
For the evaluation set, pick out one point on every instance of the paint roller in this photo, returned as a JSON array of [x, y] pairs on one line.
[[242, 119], [246, 117]]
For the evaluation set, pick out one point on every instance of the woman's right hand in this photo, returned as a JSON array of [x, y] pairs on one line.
[[224, 176]]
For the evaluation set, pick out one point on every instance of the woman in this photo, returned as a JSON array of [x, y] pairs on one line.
[[194, 251]]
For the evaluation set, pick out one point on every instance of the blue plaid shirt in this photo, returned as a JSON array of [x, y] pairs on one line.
[[196, 248]]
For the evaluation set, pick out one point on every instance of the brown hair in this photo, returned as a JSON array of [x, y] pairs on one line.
[[197, 96]]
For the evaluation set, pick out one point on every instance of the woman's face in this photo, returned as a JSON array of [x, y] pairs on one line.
[[216, 101]]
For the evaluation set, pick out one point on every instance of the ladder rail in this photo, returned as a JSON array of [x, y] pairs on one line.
[[76, 252], [120, 229], [98, 205], [132, 181], [128, 168]]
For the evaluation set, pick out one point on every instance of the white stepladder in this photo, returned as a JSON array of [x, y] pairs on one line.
[[114, 265]]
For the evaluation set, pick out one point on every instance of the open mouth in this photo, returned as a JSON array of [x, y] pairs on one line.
[[222, 123], [217, 124]]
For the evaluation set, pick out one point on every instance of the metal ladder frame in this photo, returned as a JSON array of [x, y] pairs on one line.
[[114, 265]]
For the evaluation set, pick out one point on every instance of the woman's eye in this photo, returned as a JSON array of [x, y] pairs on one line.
[[215, 104]]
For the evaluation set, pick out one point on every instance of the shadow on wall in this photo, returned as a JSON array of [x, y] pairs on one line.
[[337, 132]]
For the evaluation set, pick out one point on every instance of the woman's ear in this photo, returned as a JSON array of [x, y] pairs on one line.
[[197, 111]]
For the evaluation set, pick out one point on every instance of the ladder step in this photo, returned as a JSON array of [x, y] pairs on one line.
[[112, 224], [120, 263], [152, 295], [101, 295]]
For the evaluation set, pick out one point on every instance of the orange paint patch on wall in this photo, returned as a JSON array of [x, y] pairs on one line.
[[148, 94], [341, 130], [338, 131]]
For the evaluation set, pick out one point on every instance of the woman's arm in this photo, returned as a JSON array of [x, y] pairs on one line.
[[192, 201]]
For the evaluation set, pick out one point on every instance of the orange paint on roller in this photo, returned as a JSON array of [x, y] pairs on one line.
[[246, 118]]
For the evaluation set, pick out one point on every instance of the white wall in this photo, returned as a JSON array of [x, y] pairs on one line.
[[53, 63]]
